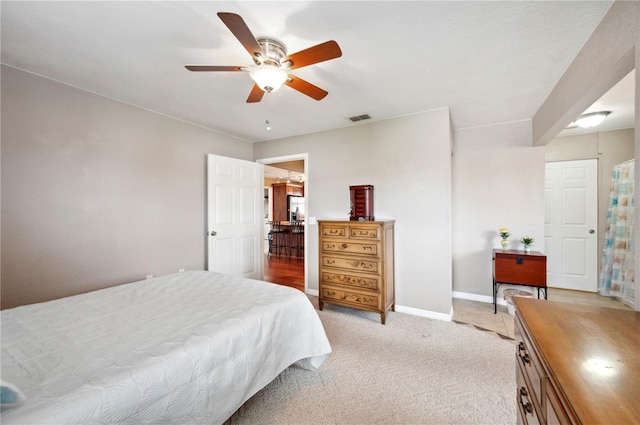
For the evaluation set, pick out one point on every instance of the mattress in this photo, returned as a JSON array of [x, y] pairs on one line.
[[184, 348]]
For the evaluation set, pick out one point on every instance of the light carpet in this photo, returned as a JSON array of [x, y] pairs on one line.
[[413, 370]]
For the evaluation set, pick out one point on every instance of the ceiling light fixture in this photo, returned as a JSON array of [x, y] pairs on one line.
[[268, 77], [592, 119], [290, 178]]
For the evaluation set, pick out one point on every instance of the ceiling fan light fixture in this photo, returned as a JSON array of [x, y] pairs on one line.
[[268, 77], [592, 119]]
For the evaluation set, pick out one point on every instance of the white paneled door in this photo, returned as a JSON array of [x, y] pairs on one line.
[[571, 233], [234, 197]]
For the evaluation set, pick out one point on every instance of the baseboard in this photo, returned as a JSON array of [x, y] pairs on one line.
[[425, 313], [475, 297], [312, 292]]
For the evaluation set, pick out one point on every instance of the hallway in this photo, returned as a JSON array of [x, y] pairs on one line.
[[284, 271]]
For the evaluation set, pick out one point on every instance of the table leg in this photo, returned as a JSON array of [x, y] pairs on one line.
[[495, 297]]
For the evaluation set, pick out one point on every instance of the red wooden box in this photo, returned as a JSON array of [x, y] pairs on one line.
[[518, 267]]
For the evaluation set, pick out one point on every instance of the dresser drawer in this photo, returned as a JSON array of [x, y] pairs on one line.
[[530, 363], [334, 230], [350, 247], [330, 277], [364, 232], [526, 410], [556, 414], [361, 265], [370, 300]]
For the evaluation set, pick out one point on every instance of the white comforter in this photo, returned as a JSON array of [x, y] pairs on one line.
[[184, 348]]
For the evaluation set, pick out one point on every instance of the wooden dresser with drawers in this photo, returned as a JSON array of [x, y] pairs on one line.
[[576, 364], [356, 265]]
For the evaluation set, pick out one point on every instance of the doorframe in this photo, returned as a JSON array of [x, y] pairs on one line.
[[294, 157]]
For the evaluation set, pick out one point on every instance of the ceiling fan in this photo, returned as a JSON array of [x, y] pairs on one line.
[[272, 64]]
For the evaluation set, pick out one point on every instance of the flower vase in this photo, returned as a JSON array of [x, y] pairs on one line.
[[527, 248], [504, 244]]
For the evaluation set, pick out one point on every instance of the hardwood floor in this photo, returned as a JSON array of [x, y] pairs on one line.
[[284, 271]]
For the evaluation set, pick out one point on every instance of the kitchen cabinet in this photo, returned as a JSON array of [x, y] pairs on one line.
[[280, 193]]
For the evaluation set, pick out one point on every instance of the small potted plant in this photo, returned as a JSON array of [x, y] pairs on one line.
[[504, 236], [527, 242]]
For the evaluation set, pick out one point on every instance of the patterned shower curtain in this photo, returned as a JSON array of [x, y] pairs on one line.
[[617, 277]]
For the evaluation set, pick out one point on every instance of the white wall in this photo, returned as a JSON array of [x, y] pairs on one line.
[[96, 192], [493, 188], [408, 161]]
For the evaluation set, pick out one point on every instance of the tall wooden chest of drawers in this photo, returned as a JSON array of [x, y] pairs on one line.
[[356, 265]]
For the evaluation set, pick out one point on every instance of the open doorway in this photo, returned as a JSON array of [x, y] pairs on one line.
[[285, 189], [609, 144]]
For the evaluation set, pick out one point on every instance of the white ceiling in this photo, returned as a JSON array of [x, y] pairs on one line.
[[284, 171], [619, 101], [489, 62]]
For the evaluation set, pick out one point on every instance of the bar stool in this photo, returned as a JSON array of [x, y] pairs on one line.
[[277, 238], [296, 237]]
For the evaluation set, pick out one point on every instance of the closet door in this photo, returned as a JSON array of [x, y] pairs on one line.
[[571, 220]]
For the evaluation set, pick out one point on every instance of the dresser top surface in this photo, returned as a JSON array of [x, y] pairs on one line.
[[593, 353]]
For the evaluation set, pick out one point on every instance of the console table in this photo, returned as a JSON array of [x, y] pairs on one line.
[[514, 267]]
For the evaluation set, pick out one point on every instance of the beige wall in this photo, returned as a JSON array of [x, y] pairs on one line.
[[498, 181], [609, 148], [493, 188], [408, 161], [95, 192]]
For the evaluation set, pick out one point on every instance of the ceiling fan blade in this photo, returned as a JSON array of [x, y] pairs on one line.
[[215, 68], [239, 28], [255, 95], [319, 53], [306, 87]]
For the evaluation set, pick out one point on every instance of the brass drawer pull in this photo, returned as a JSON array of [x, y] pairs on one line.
[[364, 282], [350, 280], [524, 357], [362, 233], [526, 406], [360, 264]]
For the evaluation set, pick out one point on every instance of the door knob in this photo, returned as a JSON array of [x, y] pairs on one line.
[[592, 231], [213, 233]]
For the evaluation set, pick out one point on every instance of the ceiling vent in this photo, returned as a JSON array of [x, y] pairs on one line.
[[357, 118]]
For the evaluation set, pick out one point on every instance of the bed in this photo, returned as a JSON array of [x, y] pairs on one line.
[[188, 348]]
